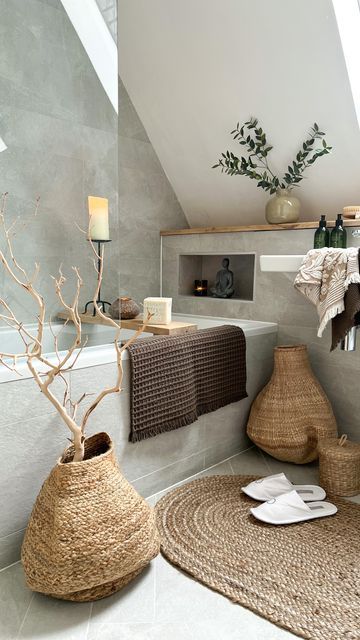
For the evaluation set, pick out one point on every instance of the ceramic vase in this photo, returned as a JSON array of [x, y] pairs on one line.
[[282, 208], [292, 413], [124, 308], [90, 532]]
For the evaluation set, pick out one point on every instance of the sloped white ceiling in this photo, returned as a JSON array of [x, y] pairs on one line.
[[193, 68]]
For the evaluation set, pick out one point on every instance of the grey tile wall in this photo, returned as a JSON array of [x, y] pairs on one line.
[[147, 204], [61, 133], [275, 301]]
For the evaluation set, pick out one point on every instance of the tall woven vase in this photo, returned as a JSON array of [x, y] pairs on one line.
[[292, 413], [90, 532]]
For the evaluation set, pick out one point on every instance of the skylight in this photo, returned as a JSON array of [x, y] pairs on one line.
[[347, 14], [3, 146], [98, 43]]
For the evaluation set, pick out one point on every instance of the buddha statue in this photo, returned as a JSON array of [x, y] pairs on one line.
[[224, 282]]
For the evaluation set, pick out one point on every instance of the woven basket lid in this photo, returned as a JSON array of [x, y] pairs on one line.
[[340, 448]]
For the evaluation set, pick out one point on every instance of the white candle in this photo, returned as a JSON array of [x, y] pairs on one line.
[[98, 218], [160, 309]]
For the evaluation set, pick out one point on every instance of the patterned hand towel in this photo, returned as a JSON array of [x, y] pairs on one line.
[[350, 317], [175, 379], [324, 277]]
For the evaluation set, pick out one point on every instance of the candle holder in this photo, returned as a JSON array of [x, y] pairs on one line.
[[200, 288], [100, 303]]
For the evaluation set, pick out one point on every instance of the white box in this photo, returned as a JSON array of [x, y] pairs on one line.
[[160, 309]]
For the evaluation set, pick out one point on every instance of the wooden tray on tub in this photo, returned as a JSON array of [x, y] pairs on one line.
[[172, 329]]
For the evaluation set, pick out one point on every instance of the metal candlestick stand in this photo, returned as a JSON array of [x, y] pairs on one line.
[[99, 302]]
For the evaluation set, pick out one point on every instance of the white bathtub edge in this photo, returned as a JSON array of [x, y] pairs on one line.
[[105, 354], [90, 357]]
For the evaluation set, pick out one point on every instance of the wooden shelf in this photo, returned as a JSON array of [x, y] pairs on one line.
[[172, 329], [294, 226], [210, 297]]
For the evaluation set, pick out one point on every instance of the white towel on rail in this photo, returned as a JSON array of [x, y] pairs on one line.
[[324, 278]]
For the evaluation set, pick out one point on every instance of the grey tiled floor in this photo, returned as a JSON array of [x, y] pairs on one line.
[[161, 604]]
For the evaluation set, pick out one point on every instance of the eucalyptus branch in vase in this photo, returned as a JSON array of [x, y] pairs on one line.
[[255, 163]]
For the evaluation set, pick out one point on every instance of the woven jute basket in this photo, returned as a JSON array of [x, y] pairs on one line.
[[339, 465], [292, 413], [90, 532]]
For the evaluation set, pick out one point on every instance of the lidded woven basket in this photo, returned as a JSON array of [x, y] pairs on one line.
[[90, 532], [339, 461], [291, 413]]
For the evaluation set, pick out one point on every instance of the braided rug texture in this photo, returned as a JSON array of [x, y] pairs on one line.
[[303, 577], [90, 532], [175, 379]]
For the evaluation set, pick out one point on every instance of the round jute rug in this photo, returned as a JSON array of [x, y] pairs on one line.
[[303, 577]]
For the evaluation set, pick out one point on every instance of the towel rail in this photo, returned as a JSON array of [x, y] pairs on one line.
[[281, 263]]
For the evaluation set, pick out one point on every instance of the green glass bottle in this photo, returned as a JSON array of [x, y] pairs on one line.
[[322, 235], [338, 234]]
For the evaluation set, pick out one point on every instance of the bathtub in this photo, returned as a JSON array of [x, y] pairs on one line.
[[33, 435], [99, 349]]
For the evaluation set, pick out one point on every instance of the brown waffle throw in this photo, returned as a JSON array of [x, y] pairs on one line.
[[175, 379]]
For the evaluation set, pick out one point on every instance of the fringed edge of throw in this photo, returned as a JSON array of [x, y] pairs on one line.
[[184, 421], [176, 423], [353, 278], [333, 311]]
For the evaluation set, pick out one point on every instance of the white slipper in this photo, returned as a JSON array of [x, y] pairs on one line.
[[290, 508], [273, 486]]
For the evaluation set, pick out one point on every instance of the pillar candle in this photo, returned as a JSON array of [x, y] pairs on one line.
[[98, 218]]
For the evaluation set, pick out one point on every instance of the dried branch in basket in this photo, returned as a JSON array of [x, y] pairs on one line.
[[44, 371]]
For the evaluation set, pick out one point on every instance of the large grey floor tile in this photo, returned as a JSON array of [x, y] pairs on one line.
[[250, 462], [113, 631], [178, 596], [210, 616], [222, 469], [297, 473], [15, 598], [223, 450], [135, 603], [49, 618], [10, 548], [248, 626]]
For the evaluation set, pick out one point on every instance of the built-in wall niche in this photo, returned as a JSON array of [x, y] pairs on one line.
[[205, 267]]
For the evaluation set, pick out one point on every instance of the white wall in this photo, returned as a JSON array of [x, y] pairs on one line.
[[193, 68]]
